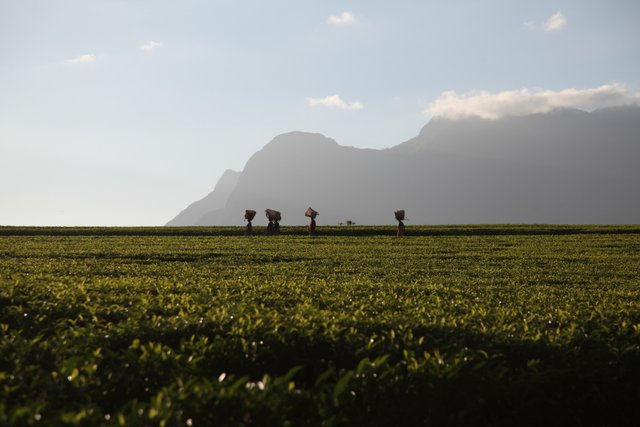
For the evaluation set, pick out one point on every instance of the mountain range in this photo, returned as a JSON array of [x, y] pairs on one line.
[[565, 166]]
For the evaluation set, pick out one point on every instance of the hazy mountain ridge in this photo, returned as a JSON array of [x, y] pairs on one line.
[[567, 166], [562, 138], [217, 199]]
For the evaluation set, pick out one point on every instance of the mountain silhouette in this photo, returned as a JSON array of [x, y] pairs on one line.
[[217, 199], [566, 166]]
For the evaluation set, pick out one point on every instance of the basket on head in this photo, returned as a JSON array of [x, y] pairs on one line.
[[249, 214], [273, 215], [311, 213], [399, 214]]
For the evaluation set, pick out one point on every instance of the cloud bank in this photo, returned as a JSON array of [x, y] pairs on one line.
[[345, 18], [82, 59], [555, 22], [521, 102], [150, 45], [334, 101]]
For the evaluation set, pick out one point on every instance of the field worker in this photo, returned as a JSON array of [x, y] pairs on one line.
[[312, 227], [274, 218], [399, 214], [249, 214], [400, 231]]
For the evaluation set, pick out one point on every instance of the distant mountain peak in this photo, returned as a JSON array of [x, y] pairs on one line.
[[565, 166], [298, 139]]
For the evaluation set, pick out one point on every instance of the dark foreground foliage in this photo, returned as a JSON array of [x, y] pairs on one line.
[[536, 326]]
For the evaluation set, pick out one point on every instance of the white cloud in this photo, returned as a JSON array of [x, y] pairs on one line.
[[150, 45], [345, 18], [521, 102], [334, 101], [555, 22], [82, 59]]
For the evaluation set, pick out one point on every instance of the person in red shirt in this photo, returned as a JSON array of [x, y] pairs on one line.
[[312, 227]]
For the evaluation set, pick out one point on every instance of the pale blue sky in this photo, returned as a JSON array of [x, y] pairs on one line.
[[96, 130]]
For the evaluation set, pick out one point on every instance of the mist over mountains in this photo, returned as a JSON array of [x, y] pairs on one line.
[[565, 166]]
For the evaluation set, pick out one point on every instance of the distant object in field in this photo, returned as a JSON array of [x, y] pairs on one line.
[[400, 231], [563, 167], [311, 228], [274, 221], [249, 214], [273, 215]]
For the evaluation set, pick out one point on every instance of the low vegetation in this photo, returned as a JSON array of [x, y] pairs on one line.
[[477, 325]]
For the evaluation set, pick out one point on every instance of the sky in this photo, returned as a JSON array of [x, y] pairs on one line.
[[118, 112]]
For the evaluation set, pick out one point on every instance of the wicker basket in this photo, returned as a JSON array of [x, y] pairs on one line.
[[249, 214], [399, 214], [311, 213], [273, 215]]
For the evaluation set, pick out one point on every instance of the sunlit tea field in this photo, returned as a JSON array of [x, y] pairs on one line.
[[477, 325]]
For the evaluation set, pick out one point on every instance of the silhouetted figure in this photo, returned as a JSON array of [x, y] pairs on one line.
[[311, 228], [400, 231], [249, 214], [400, 217], [274, 224]]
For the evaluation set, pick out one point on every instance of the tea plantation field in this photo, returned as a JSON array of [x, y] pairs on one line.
[[468, 325]]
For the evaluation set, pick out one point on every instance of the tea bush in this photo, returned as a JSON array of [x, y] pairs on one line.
[[477, 325]]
